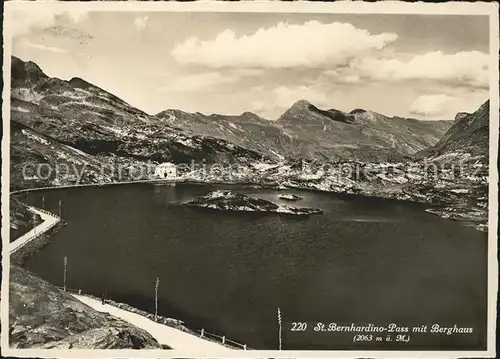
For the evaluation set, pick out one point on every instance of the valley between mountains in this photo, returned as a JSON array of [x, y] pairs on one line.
[[93, 132]]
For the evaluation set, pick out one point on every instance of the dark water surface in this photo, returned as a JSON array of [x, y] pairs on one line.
[[363, 261]]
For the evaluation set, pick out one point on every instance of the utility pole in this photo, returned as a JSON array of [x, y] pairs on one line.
[[34, 223], [65, 270], [157, 286], [43, 202], [60, 209], [279, 322]]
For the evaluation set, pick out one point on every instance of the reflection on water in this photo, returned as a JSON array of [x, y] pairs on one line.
[[165, 194], [362, 261], [354, 219]]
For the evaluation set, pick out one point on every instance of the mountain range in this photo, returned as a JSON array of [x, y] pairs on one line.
[[307, 132], [90, 125], [79, 124], [84, 127]]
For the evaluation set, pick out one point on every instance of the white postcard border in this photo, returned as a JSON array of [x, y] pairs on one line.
[[389, 7]]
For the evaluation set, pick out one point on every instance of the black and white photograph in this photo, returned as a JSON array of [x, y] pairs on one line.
[[249, 180]]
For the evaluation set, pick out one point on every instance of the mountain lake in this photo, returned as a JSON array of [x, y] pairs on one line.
[[364, 261]]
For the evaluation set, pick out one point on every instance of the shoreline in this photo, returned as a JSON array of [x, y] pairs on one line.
[[35, 239], [50, 220], [37, 189], [275, 186], [441, 211]]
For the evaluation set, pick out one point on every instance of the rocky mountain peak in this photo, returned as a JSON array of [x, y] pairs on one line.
[[467, 138], [357, 110], [459, 116], [248, 114], [171, 113], [301, 110], [475, 120], [252, 118], [78, 82], [300, 105], [366, 115], [25, 71], [484, 110]]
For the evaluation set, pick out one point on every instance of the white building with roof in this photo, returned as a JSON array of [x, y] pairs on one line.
[[166, 170]]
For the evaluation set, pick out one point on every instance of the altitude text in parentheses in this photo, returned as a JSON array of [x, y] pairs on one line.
[[362, 338]]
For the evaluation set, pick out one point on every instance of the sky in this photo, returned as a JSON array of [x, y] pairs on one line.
[[421, 66]]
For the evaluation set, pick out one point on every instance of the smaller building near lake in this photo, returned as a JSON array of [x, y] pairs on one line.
[[166, 170]]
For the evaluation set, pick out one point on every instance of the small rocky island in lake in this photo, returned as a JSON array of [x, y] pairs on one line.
[[225, 200], [290, 197]]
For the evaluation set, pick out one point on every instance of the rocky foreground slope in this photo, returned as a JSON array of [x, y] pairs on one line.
[[43, 316]]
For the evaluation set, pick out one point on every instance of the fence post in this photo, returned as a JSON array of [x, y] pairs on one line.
[[65, 267], [279, 322], [202, 333], [157, 285], [223, 339]]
